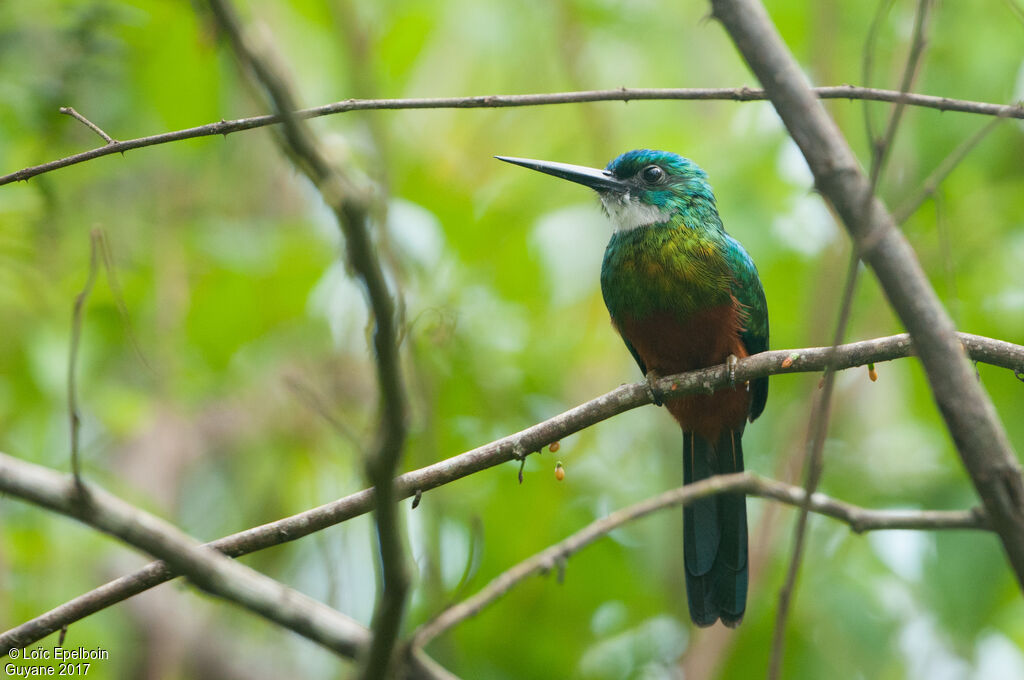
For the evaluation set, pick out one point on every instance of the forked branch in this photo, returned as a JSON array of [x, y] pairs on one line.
[[554, 557], [968, 412], [619, 400], [740, 94]]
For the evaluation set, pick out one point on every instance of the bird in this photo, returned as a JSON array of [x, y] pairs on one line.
[[683, 294]]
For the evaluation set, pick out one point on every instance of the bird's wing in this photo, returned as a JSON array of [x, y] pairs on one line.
[[632, 350], [746, 287]]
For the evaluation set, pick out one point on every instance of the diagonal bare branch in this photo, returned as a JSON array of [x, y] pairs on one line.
[[942, 171], [1016, 9], [822, 407], [350, 206], [77, 313], [882, 147], [813, 463], [555, 556], [534, 438], [967, 410], [868, 62], [740, 94], [69, 111], [208, 569]]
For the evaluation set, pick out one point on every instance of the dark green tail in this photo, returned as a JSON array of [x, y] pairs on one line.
[[715, 533]]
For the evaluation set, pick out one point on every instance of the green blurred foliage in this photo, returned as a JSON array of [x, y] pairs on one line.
[[203, 405]]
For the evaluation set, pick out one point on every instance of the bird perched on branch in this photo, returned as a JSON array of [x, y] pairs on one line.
[[683, 295]]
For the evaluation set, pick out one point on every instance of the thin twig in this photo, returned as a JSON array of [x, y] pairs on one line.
[[99, 250], [77, 313], [555, 556], [814, 446], [350, 206], [946, 246], [308, 396], [534, 438], [208, 569], [740, 94], [971, 418], [881, 148], [822, 407], [821, 410], [1017, 10], [67, 110], [942, 171], [867, 63], [115, 290]]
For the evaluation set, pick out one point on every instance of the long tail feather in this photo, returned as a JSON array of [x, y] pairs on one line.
[[715, 533]]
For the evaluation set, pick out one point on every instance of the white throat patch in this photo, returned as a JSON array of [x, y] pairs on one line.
[[628, 213]]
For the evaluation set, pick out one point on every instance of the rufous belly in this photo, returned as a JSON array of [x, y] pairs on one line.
[[669, 345]]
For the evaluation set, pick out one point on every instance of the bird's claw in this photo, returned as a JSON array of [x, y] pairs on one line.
[[730, 367], [651, 379]]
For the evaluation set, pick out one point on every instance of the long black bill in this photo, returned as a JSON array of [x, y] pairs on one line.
[[599, 180]]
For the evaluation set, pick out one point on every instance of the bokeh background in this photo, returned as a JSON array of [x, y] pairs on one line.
[[204, 404]]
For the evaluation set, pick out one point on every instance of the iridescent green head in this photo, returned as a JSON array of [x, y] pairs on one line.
[[641, 187], [659, 184]]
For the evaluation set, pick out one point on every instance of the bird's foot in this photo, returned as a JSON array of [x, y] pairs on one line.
[[730, 366], [652, 377]]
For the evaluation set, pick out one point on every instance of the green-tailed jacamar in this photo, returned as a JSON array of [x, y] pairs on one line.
[[683, 295]]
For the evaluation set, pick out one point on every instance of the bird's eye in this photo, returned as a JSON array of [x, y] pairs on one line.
[[652, 174]]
